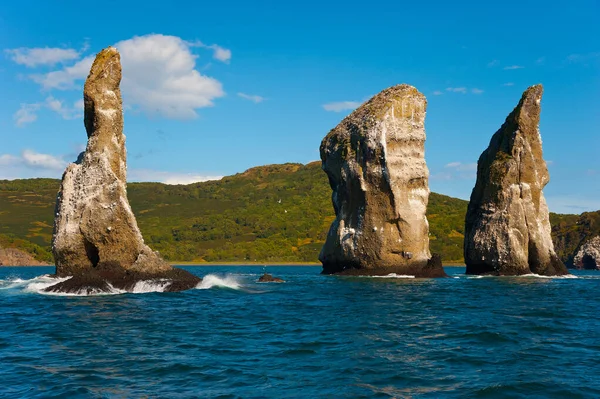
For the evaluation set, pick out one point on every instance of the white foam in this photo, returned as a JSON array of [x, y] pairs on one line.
[[151, 286], [212, 280], [393, 275], [566, 276]]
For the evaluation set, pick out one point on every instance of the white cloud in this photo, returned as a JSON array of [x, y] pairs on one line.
[[463, 167], [511, 67], [159, 76], [219, 53], [508, 84], [462, 90], [65, 78], [32, 57], [26, 114], [65, 111], [437, 93], [476, 91], [149, 175], [43, 161], [341, 106], [7, 160], [16, 166], [492, 63], [254, 98]]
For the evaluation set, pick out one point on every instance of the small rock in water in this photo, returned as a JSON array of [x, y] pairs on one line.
[[267, 278], [96, 238]]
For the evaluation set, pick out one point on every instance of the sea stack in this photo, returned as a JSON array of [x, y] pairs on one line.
[[96, 239], [588, 256], [507, 228], [376, 167]]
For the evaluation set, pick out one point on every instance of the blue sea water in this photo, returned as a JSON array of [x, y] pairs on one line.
[[312, 337]]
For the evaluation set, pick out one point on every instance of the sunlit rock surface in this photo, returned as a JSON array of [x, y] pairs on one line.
[[588, 256], [507, 229], [376, 167], [96, 238]]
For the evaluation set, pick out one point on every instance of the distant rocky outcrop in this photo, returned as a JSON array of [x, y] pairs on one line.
[[588, 256], [268, 278], [376, 167], [507, 229], [16, 257], [96, 238]]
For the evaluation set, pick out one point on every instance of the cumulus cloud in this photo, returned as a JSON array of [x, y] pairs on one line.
[[43, 161], [462, 90], [32, 57], [159, 76], [33, 159], [65, 111], [26, 114], [168, 177], [341, 106], [512, 67], [65, 78], [254, 98]]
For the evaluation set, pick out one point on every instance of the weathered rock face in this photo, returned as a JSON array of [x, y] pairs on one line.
[[96, 237], [507, 229], [588, 256], [16, 257], [376, 167]]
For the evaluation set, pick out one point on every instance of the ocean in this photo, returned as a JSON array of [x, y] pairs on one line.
[[313, 336]]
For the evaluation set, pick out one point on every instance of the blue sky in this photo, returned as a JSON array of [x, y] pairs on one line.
[[211, 89]]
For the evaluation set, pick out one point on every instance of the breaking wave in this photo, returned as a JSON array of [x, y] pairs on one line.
[[213, 280]]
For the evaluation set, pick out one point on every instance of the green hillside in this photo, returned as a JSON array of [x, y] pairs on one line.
[[274, 213]]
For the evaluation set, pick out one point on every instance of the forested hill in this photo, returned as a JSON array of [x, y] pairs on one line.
[[274, 213]]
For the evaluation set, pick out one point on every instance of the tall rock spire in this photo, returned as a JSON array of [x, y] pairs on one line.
[[376, 167], [96, 238], [507, 228]]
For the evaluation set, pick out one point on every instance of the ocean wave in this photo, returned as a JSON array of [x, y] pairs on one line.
[[391, 275], [213, 280]]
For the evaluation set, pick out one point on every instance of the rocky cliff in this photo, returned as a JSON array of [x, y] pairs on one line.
[[16, 257], [588, 256], [376, 167], [507, 228], [96, 238]]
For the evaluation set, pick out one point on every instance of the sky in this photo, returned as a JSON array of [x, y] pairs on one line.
[[214, 88]]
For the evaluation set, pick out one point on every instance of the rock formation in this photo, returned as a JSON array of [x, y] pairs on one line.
[[16, 257], [376, 167], [268, 278], [588, 256], [96, 238], [507, 228]]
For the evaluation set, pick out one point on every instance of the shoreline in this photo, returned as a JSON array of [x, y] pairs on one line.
[[209, 264]]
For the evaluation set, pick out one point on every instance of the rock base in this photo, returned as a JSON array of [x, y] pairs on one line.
[[431, 269], [107, 280]]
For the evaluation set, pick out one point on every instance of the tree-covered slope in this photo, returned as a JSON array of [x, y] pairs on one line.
[[274, 213]]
